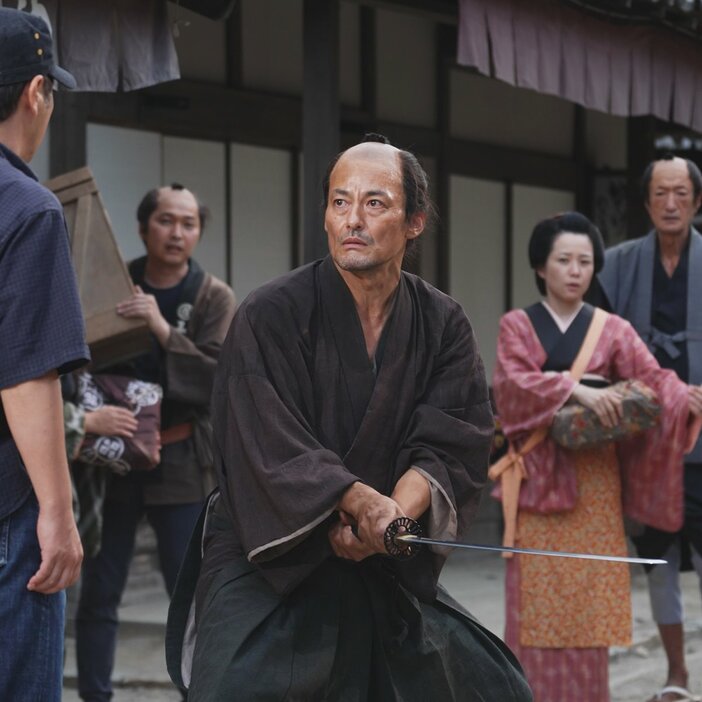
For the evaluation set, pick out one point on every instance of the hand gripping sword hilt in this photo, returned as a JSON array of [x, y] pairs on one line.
[[401, 550]]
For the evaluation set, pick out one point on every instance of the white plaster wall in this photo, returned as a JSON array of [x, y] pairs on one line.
[[200, 166], [126, 163], [476, 256], [531, 205], [260, 201], [428, 262]]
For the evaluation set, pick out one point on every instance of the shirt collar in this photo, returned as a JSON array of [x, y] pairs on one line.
[[16, 161]]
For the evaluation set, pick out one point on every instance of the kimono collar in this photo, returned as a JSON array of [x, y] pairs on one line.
[[374, 400], [561, 323], [344, 319], [193, 278]]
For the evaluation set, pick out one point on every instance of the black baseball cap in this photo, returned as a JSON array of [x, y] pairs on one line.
[[26, 50]]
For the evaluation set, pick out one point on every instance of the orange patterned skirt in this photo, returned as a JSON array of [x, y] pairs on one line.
[[569, 603]]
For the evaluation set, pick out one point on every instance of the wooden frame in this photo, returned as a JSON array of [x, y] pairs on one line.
[[103, 278]]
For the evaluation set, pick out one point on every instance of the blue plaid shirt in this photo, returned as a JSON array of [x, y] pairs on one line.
[[41, 324]]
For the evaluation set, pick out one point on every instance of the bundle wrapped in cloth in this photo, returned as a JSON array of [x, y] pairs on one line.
[[123, 454], [577, 427]]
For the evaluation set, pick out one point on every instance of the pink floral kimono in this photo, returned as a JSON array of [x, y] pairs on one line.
[[563, 614]]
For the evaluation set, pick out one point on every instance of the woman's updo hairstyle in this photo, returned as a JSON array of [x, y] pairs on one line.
[[546, 232]]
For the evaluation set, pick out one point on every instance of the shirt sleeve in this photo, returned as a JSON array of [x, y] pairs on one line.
[[191, 363], [41, 323]]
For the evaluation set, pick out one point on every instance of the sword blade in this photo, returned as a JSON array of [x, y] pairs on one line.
[[411, 539]]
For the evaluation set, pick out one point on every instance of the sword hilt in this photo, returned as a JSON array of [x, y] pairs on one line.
[[400, 549]]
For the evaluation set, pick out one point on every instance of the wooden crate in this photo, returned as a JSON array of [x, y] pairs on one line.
[[103, 278]]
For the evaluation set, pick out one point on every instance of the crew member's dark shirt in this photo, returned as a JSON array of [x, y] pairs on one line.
[[41, 323]]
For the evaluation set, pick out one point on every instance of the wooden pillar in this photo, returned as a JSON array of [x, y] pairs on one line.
[[67, 146], [583, 177], [320, 115], [445, 42], [641, 150]]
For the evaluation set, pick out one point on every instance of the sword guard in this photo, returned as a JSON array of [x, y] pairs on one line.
[[400, 550]]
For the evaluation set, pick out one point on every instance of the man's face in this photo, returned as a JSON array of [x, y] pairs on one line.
[[671, 201], [173, 228], [365, 213]]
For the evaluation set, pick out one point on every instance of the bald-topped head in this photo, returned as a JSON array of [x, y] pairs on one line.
[[672, 191], [376, 203], [415, 183], [171, 220], [371, 157], [372, 150]]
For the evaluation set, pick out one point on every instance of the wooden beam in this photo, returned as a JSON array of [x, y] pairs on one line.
[[508, 235], [444, 36], [641, 150], [193, 109], [234, 43], [418, 140], [67, 144], [320, 114], [369, 62], [506, 163], [583, 176], [445, 11]]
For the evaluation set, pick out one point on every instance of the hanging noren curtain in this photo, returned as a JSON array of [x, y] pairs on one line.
[[621, 69]]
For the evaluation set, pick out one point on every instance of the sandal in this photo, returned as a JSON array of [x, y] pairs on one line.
[[683, 694]]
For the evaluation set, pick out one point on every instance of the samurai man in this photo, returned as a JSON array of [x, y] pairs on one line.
[[349, 393]]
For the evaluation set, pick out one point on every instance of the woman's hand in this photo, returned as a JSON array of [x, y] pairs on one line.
[[111, 421], [606, 403]]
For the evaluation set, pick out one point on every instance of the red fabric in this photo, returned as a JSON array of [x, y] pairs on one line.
[[598, 73], [684, 92], [620, 65], [697, 103], [474, 49], [526, 43], [651, 464], [554, 49], [500, 28], [549, 34]]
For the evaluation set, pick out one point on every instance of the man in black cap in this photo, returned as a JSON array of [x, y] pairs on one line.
[[41, 336]]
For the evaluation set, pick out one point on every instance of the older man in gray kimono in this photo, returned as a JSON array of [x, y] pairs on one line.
[[348, 393], [656, 283]]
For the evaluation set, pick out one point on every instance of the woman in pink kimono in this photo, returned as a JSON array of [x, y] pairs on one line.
[[563, 614]]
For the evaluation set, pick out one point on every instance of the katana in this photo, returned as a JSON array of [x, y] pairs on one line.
[[403, 537]]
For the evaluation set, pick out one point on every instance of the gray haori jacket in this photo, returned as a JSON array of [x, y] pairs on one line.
[[627, 281]]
